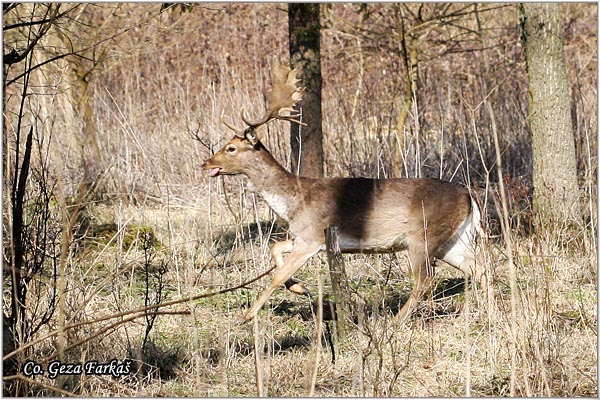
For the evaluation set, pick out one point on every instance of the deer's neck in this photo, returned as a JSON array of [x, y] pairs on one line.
[[274, 184]]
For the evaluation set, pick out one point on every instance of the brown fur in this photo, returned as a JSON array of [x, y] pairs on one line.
[[373, 215]]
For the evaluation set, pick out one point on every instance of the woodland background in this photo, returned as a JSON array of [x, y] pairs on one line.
[[107, 212]]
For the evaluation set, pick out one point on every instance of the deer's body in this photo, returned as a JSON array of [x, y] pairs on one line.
[[373, 215], [430, 218]]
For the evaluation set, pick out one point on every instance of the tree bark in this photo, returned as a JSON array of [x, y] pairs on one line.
[[555, 196], [304, 35]]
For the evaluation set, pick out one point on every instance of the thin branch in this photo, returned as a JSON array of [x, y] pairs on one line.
[[6, 7], [108, 329], [39, 66], [39, 22], [136, 311], [14, 57], [77, 52]]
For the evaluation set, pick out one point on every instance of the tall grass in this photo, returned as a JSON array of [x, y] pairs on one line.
[[154, 92]]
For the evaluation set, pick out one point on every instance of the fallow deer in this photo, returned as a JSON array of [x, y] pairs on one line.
[[431, 218]]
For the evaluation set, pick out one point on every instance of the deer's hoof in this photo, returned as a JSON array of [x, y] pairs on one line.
[[299, 288], [296, 287]]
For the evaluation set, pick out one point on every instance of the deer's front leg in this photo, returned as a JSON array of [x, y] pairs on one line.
[[277, 252], [301, 252]]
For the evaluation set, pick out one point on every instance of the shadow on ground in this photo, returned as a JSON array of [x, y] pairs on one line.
[[391, 302]]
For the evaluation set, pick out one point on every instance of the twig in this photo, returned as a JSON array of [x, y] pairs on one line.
[[34, 382], [318, 334], [258, 365]]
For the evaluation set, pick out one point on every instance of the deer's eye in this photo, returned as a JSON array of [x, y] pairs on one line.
[[230, 149]]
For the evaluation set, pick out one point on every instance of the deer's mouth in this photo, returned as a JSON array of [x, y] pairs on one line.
[[213, 170]]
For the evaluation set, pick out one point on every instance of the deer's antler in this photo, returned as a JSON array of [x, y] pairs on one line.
[[282, 97], [238, 132]]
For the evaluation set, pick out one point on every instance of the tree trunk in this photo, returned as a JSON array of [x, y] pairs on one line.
[[307, 141], [411, 63], [555, 196]]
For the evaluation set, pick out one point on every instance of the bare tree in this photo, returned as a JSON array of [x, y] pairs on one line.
[[555, 195], [307, 141], [417, 33]]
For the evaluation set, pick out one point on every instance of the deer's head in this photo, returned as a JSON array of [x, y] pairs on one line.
[[237, 155]]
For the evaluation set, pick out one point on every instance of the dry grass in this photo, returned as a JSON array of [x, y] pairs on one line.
[[153, 90]]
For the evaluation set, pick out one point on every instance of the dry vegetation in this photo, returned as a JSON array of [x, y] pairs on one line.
[[150, 226]]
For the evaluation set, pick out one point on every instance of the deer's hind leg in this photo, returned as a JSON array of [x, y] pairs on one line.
[[468, 264], [461, 255], [422, 273]]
